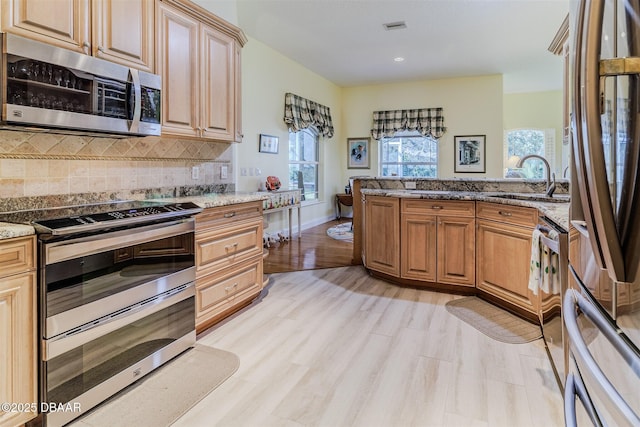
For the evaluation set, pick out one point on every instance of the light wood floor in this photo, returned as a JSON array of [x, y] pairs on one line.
[[314, 250], [336, 347]]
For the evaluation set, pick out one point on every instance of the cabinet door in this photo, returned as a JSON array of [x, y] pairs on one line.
[[177, 63], [123, 32], [504, 255], [18, 349], [238, 94], [382, 245], [418, 247], [217, 83], [63, 23], [456, 251]]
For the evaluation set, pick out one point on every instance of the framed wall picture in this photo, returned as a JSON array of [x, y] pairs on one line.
[[268, 144], [358, 153], [470, 153]]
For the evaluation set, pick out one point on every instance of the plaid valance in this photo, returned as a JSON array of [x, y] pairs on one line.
[[427, 121], [301, 113]]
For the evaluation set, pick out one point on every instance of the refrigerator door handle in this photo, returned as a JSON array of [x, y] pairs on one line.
[[574, 387], [602, 222], [588, 367]]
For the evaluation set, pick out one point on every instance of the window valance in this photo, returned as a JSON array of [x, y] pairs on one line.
[[301, 113], [427, 121]]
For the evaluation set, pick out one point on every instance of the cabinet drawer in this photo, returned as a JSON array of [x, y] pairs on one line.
[[220, 216], [17, 255], [218, 292], [518, 215], [222, 247], [439, 207]]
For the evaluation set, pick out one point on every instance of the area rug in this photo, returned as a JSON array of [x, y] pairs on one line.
[[493, 321], [341, 232], [167, 393]]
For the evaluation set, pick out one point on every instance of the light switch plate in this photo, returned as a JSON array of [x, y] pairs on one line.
[[195, 173], [224, 172]]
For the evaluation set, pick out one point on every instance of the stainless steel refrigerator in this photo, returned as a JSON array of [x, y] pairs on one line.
[[601, 308]]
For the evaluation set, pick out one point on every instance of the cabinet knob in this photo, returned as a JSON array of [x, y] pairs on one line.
[[100, 49]]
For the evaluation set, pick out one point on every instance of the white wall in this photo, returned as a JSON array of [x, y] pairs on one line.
[[266, 76], [472, 106]]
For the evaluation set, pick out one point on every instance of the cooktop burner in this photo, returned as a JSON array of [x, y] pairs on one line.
[[88, 218]]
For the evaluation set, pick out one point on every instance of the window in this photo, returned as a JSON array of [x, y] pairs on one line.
[[409, 154], [303, 162], [519, 143]]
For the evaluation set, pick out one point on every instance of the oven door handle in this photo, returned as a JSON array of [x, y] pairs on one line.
[[76, 337], [89, 245]]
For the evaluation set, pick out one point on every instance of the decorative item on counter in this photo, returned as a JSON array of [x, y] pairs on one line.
[[273, 183]]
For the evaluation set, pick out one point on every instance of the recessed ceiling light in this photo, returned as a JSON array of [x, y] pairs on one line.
[[398, 59]]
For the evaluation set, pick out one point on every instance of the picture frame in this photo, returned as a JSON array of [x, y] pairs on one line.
[[268, 144], [470, 153], [358, 153]]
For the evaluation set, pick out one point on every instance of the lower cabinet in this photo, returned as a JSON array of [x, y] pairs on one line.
[[18, 347], [438, 241], [229, 260], [382, 234], [504, 253]]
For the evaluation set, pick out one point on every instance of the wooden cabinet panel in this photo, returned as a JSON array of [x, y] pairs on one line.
[[17, 255], [18, 349], [219, 248], [508, 213], [63, 23], [218, 85], [177, 63], [456, 250], [238, 93], [439, 207], [229, 260], [123, 32], [382, 244], [497, 242], [220, 294], [418, 260]]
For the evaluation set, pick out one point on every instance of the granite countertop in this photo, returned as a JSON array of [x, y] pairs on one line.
[[213, 200], [9, 230], [558, 212]]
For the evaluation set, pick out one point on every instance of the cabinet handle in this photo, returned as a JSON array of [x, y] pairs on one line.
[[232, 246], [504, 213], [230, 215], [438, 207], [86, 46], [234, 286], [100, 49]]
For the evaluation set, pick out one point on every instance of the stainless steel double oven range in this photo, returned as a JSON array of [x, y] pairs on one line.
[[116, 298]]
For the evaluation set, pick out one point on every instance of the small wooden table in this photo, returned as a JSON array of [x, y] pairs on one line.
[[342, 199]]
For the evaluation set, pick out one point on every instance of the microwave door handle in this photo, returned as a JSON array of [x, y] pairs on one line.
[[574, 388], [137, 100], [603, 225]]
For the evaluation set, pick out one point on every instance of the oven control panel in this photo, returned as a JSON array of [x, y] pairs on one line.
[[98, 217]]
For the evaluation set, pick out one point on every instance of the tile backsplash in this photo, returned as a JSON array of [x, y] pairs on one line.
[[39, 164]]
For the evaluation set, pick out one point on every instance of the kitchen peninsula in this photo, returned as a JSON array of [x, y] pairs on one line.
[[454, 235]]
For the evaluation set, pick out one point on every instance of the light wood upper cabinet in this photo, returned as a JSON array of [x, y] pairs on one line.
[[117, 30], [123, 32], [198, 56], [63, 23], [382, 231], [177, 63], [18, 348]]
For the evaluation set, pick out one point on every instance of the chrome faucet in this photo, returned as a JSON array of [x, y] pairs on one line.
[[551, 177]]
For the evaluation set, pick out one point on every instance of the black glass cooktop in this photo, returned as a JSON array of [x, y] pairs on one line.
[[84, 218]]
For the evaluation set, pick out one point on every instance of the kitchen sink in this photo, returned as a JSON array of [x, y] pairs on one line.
[[534, 197]]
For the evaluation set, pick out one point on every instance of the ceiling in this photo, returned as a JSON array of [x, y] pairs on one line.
[[345, 40]]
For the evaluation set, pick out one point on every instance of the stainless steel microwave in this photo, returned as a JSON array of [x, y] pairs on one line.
[[51, 87]]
